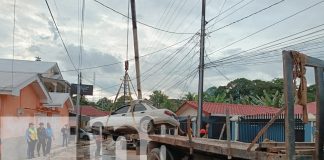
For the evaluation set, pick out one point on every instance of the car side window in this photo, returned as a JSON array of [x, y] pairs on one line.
[[139, 107], [121, 110]]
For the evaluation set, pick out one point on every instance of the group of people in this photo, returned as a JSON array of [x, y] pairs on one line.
[[41, 136]]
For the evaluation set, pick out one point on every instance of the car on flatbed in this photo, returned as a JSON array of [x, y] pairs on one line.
[[138, 116]]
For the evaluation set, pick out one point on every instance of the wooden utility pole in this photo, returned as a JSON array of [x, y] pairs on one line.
[[137, 64], [201, 67]]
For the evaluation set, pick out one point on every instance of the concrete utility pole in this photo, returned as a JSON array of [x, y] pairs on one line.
[[137, 64], [201, 67]]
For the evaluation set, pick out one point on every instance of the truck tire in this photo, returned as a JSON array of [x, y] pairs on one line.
[[86, 138], [155, 155], [115, 137]]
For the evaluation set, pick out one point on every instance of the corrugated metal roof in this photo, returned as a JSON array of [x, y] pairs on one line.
[[7, 83], [234, 109], [91, 111], [58, 99], [25, 66], [311, 108]]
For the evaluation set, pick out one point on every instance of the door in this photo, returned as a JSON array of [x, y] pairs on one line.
[[140, 111], [119, 118]]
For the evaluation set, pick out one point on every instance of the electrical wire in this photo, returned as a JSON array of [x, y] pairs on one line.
[[13, 44], [246, 17], [144, 24], [59, 33], [148, 54], [271, 25]]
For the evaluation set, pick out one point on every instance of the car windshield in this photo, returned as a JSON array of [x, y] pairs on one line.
[[121, 110]]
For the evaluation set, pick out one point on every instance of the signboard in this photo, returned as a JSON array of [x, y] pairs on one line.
[[85, 89]]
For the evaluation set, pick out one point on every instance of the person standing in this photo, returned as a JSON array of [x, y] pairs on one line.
[[65, 134], [98, 137], [41, 133], [49, 138], [31, 138]]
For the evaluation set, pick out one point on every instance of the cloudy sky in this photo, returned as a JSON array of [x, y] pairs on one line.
[[254, 42]]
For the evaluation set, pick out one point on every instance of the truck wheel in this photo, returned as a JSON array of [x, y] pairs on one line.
[[147, 126], [114, 137], [155, 155], [86, 138]]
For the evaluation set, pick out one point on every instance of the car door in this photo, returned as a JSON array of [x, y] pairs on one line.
[[119, 117], [140, 110]]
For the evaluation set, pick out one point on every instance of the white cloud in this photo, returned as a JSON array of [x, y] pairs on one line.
[[105, 38]]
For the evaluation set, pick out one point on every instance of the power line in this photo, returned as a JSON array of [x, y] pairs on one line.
[[237, 56], [81, 34], [271, 25], [59, 33], [147, 25], [148, 54], [219, 71], [172, 19], [266, 53], [13, 43], [228, 15], [277, 40], [220, 11], [248, 16], [127, 34], [168, 59], [164, 79]]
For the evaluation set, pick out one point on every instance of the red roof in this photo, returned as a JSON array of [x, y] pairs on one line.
[[234, 109], [311, 108], [92, 111]]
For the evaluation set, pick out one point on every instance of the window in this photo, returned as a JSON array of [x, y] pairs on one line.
[[121, 110], [139, 107]]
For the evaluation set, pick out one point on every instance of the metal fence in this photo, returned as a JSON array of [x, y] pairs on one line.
[[249, 127], [216, 128]]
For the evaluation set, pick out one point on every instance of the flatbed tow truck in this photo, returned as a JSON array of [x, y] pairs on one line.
[[181, 147], [188, 147]]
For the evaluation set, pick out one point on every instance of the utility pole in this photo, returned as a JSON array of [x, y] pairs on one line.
[[201, 68], [94, 84], [125, 81], [137, 64], [78, 118]]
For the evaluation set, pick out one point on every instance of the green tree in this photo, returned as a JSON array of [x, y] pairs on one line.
[[189, 96], [274, 100], [83, 100], [219, 98], [158, 97], [240, 87], [121, 102], [104, 104], [311, 93]]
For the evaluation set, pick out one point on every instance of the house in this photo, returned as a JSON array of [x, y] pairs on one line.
[[215, 114], [88, 112], [30, 91]]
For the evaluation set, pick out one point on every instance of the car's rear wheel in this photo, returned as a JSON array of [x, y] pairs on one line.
[[147, 126]]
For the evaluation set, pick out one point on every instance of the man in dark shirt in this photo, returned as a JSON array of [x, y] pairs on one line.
[[65, 134], [41, 133]]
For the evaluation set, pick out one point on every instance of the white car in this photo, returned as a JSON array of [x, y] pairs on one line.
[[85, 135], [139, 116]]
